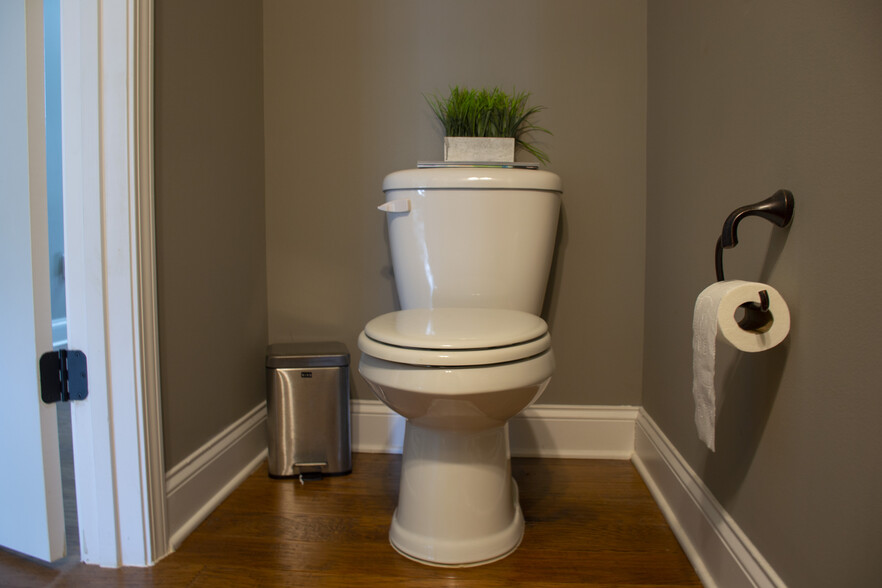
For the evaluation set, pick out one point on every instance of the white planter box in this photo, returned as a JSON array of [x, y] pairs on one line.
[[479, 149]]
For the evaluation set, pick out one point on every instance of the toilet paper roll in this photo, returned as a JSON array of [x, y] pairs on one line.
[[716, 319]]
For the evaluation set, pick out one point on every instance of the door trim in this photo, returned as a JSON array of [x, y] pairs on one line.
[[107, 80]]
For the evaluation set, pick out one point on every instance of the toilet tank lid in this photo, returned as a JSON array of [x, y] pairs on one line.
[[455, 328], [472, 178]]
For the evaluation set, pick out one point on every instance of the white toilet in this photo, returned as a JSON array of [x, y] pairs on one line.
[[471, 251]]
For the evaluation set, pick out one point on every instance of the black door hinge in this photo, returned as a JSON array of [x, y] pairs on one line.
[[63, 376]]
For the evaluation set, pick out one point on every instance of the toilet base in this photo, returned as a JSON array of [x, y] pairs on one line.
[[457, 504]]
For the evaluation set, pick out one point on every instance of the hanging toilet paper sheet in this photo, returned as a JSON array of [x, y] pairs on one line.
[[716, 319]]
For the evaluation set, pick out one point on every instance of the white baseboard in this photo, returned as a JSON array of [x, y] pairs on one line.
[[375, 428], [720, 552], [571, 431], [197, 485], [598, 432]]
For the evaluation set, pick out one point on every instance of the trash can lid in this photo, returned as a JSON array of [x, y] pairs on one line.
[[298, 355]]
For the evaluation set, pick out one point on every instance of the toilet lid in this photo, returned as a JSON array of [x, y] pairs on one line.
[[455, 336]]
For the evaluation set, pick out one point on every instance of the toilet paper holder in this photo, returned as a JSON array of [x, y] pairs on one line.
[[756, 317], [777, 209]]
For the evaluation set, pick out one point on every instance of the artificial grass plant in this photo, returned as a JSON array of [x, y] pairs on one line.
[[488, 113]]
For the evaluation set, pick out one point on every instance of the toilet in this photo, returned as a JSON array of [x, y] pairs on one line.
[[471, 253]]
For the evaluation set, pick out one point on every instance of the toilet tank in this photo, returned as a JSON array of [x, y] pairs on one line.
[[472, 237]]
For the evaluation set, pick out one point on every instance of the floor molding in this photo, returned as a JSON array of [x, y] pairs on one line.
[[549, 430], [375, 428], [205, 478], [720, 552], [572, 431]]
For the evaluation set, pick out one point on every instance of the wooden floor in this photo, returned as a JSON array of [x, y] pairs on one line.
[[589, 523]]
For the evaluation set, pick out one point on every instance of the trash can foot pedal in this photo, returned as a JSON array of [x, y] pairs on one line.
[[311, 470], [310, 476]]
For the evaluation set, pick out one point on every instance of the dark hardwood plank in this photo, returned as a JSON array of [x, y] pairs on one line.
[[589, 523]]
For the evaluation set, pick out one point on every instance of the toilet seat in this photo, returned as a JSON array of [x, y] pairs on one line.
[[455, 336]]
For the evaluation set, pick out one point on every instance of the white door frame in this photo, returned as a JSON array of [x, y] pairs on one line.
[[107, 121]]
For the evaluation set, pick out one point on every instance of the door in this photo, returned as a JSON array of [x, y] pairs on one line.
[[31, 510]]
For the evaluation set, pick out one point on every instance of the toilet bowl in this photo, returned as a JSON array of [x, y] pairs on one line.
[[457, 375], [471, 252]]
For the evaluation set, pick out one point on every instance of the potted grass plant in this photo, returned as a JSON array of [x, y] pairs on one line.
[[486, 125]]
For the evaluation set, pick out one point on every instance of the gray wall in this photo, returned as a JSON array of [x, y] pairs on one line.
[[210, 237], [746, 98], [344, 106]]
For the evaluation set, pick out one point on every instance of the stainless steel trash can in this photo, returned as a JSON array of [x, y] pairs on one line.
[[308, 409]]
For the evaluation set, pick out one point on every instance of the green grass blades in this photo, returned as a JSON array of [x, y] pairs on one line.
[[488, 113]]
